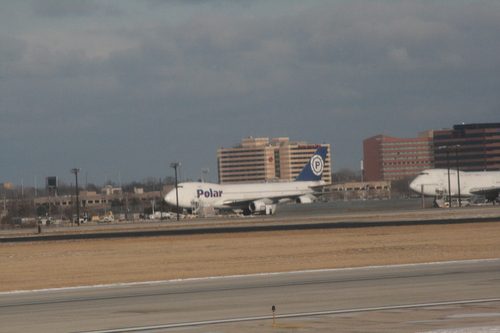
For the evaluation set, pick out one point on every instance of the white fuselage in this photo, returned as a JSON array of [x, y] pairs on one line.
[[229, 195], [435, 182]]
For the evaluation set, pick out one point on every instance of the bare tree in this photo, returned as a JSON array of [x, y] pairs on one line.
[[345, 175]]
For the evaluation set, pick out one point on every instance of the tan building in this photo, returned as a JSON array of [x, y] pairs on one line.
[[259, 160], [358, 190], [91, 201]]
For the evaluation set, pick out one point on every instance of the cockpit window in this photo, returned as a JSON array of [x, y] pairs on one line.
[[423, 173]]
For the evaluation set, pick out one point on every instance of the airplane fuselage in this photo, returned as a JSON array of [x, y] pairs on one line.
[[227, 195], [435, 182]]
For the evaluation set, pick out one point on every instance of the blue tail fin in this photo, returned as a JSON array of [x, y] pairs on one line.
[[314, 168]]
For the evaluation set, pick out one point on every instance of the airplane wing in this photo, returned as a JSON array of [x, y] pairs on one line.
[[490, 193], [244, 203], [237, 203], [317, 190]]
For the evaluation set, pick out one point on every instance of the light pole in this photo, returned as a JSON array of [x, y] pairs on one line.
[[447, 150], [75, 171], [362, 170], [175, 165], [161, 202], [457, 148]]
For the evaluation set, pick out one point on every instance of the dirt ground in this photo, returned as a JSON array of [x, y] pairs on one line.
[[39, 265]]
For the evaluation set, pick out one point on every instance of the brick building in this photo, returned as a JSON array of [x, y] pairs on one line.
[[475, 147], [389, 158]]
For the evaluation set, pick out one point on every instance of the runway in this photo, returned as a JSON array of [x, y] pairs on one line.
[[360, 214], [405, 298]]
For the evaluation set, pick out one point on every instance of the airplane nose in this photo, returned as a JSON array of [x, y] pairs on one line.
[[170, 198], [415, 186]]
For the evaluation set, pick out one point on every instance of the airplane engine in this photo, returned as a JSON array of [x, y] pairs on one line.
[[262, 207], [305, 199]]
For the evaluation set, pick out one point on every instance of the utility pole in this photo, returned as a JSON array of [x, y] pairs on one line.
[[75, 171], [175, 165], [457, 148], [161, 202], [447, 150]]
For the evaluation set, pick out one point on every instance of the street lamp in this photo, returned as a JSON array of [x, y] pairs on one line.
[[161, 202], [448, 149], [75, 171], [457, 148], [175, 165]]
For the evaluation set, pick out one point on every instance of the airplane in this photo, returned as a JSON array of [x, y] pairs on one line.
[[434, 182], [254, 198]]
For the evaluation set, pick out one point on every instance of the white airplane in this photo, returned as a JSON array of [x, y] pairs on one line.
[[254, 198], [434, 182]]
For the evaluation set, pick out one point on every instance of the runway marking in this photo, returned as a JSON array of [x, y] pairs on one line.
[[244, 276], [291, 315]]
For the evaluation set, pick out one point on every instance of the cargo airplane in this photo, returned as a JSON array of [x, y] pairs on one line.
[[254, 198], [434, 182]]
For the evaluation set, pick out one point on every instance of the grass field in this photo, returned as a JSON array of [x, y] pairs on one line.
[[39, 265]]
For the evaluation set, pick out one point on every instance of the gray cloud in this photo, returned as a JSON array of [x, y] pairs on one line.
[[136, 91], [64, 9]]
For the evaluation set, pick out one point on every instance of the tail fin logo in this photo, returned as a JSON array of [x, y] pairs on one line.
[[313, 170], [317, 165]]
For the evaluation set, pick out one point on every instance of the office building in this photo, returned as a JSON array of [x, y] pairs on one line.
[[473, 147], [389, 158], [259, 160]]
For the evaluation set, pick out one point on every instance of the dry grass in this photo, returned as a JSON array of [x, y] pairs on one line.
[[37, 265]]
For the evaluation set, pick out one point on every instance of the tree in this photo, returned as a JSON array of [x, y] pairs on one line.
[[92, 187], [6, 221], [401, 187], [22, 207], [345, 175], [42, 210], [134, 202], [116, 203], [169, 180]]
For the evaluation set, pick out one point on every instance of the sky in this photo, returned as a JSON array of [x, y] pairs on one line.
[[122, 88]]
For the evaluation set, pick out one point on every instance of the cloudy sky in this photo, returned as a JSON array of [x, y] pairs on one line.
[[123, 88]]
